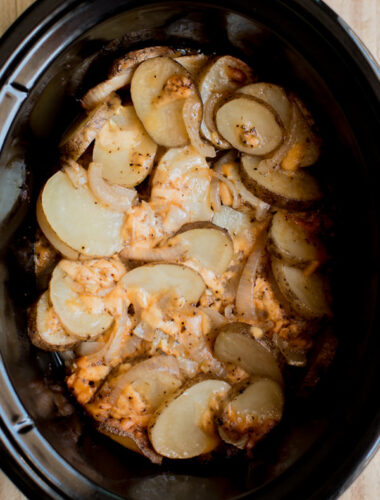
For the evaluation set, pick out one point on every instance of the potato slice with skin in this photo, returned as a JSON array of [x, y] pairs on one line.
[[163, 278], [223, 74], [183, 426], [45, 330], [79, 220], [131, 396], [124, 149], [291, 190], [274, 95], [250, 125], [183, 178], [121, 73], [159, 88], [81, 134], [57, 243], [207, 244], [72, 311], [253, 410], [306, 294], [290, 242], [193, 64], [237, 344]]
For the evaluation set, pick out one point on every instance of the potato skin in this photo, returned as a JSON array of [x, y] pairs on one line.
[[272, 198], [36, 338], [294, 302], [201, 225], [280, 254], [76, 140]]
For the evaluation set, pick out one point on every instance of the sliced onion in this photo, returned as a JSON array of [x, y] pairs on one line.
[[261, 208], [231, 186], [246, 288], [101, 91], [116, 197], [162, 363], [217, 319], [208, 118], [111, 350], [75, 172], [192, 117], [215, 195], [115, 342], [152, 254], [293, 356]]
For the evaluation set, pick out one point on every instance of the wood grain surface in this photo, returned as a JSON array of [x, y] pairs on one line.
[[364, 18]]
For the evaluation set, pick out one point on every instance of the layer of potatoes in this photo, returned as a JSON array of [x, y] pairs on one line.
[[184, 110]]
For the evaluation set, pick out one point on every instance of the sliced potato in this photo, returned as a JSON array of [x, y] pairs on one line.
[[250, 125], [121, 73], [254, 409], [291, 190], [207, 244], [193, 64], [71, 309], [183, 426], [274, 95], [136, 390], [124, 149], [183, 178], [77, 218], [237, 344], [306, 294], [81, 134], [164, 278], [223, 74], [159, 88], [57, 243], [45, 330], [154, 379], [290, 242], [125, 402]]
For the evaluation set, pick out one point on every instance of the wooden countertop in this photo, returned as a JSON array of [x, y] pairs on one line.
[[364, 17]]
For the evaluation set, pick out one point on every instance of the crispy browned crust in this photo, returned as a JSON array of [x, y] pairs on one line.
[[79, 137], [274, 199], [138, 56]]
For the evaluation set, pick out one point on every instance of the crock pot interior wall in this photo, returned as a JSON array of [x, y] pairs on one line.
[[298, 58]]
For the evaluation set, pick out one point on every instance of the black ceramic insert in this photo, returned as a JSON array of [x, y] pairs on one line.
[[47, 61]]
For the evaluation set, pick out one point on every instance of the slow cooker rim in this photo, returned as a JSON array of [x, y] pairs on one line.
[[34, 22]]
